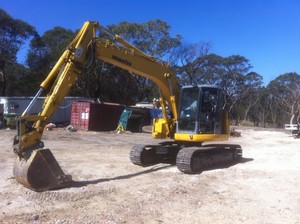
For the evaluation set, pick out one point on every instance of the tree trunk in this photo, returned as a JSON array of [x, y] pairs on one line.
[[2, 83]]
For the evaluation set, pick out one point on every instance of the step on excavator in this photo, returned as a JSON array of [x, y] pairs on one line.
[[192, 115]]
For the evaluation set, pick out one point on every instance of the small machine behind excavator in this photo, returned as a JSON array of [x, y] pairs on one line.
[[294, 125], [191, 116]]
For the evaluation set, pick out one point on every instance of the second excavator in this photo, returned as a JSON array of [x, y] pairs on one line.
[[192, 115]]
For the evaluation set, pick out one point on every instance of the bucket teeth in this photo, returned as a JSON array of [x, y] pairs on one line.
[[40, 171]]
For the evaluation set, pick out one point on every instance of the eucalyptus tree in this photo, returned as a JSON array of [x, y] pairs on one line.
[[285, 92], [188, 60], [252, 93], [230, 73], [13, 35], [152, 37], [44, 52]]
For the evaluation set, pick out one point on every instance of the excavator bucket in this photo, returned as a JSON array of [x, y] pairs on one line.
[[40, 171]]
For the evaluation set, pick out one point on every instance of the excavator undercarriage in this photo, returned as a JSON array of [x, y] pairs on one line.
[[190, 159]]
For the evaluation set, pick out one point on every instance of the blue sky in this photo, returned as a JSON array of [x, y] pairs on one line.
[[267, 32]]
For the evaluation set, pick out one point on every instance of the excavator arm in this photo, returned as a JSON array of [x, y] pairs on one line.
[[36, 167], [60, 79], [135, 61]]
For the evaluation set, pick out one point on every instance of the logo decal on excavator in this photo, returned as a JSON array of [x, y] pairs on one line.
[[123, 61]]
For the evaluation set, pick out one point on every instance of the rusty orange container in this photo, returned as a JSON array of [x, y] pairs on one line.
[[95, 116]]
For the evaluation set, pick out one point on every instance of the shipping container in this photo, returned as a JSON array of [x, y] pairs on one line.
[[95, 116]]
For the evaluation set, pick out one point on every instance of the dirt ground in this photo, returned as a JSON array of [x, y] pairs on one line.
[[108, 188]]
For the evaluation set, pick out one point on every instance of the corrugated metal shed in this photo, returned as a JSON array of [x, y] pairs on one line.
[[16, 105]]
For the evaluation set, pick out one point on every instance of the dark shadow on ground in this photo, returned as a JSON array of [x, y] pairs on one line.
[[78, 184], [227, 165]]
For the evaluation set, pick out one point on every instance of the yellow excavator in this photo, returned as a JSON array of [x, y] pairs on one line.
[[192, 115]]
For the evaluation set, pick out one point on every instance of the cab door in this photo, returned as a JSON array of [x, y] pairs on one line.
[[212, 114]]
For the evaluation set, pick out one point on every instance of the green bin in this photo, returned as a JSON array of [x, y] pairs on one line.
[[10, 121]]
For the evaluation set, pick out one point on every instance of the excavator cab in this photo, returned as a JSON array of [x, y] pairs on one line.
[[201, 114]]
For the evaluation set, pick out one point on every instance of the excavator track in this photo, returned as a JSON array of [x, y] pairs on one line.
[[196, 159], [143, 155], [147, 155], [189, 160]]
